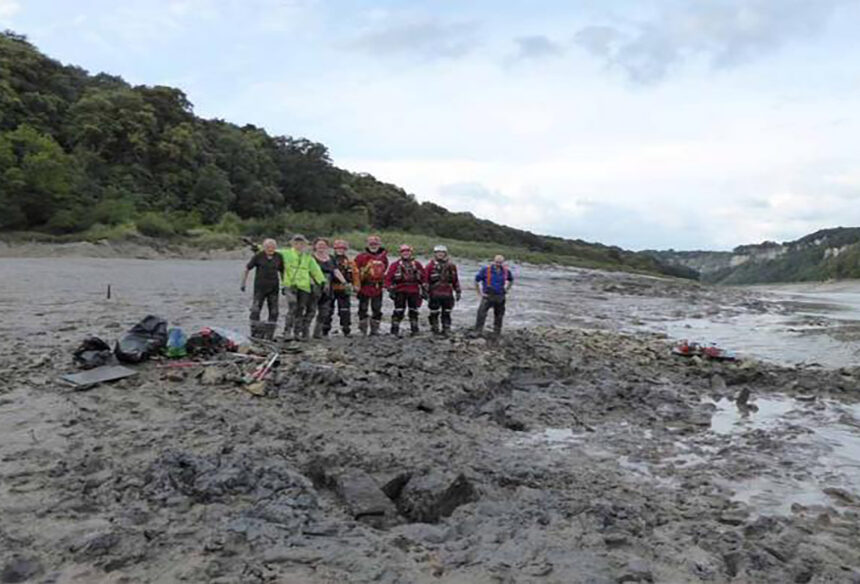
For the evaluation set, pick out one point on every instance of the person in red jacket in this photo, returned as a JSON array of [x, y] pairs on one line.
[[442, 286], [372, 264], [403, 282]]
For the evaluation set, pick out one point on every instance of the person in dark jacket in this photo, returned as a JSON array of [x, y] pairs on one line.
[[323, 293], [442, 286], [268, 266], [372, 264], [341, 298], [492, 283], [403, 282]]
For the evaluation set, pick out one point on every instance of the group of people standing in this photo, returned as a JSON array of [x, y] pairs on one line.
[[318, 283]]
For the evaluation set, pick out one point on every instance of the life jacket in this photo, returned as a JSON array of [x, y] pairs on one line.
[[442, 274], [345, 266], [407, 272], [373, 272]]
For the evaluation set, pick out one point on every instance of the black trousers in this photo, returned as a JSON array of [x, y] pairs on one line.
[[268, 297], [441, 306], [303, 312], [342, 303], [403, 300], [375, 305], [497, 303]]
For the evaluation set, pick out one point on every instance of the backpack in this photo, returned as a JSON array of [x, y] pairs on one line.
[[373, 271]]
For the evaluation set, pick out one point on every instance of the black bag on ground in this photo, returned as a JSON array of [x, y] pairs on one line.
[[144, 340], [92, 352], [206, 343]]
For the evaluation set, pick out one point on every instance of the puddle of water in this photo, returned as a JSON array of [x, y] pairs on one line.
[[831, 449], [550, 438], [729, 419], [774, 496]]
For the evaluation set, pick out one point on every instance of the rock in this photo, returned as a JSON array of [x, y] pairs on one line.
[[432, 496], [96, 545], [175, 375], [40, 361], [424, 533], [20, 569], [364, 499], [718, 383], [291, 555], [748, 365], [427, 405], [615, 539], [213, 376], [841, 495], [393, 485], [637, 570]]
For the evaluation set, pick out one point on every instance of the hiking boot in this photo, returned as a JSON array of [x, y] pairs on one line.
[[446, 330], [318, 333], [362, 326], [395, 329], [413, 325], [346, 333], [374, 327]]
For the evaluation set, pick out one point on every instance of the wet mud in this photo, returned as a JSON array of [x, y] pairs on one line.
[[578, 452]]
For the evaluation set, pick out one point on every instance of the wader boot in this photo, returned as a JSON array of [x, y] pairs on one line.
[[446, 329], [318, 328], [395, 329], [374, 327], [362, 326], [267, 330], [413, 326], [434, 323], [346, 332]]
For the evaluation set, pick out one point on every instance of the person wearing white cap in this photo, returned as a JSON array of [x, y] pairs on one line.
[[442, 287]]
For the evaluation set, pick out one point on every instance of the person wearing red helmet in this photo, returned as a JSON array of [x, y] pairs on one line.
[[442, 286], [342, 292], [404, 282], [372, 264]]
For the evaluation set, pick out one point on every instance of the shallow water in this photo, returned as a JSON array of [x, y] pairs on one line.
[[811, 334], [823, 438]]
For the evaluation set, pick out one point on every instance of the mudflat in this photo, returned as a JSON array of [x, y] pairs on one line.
[[575, 449]]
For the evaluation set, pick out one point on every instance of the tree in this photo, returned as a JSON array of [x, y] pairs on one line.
[[212, 195], [38, 177]]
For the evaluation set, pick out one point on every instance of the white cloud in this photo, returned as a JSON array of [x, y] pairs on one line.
[[8, 9], [724, 32]]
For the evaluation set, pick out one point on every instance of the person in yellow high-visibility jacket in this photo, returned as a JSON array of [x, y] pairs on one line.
[[302, 285]]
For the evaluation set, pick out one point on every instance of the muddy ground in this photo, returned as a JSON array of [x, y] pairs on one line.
[[573, 450]]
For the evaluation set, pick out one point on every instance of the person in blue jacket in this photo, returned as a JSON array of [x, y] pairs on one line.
[[492, 283]]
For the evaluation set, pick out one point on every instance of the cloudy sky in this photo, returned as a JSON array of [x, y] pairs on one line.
[[647, 124]]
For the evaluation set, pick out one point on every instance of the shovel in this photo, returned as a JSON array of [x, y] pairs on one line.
[[255, 383]]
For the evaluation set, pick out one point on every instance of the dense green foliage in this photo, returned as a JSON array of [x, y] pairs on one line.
[[83, 153]]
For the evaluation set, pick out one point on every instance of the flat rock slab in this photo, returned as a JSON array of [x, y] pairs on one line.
[[98, 375], [364, 499]]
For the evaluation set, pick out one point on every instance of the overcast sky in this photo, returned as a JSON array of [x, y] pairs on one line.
[[684, 124]]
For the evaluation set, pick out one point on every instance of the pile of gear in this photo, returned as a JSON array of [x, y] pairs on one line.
[[151, 338]]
